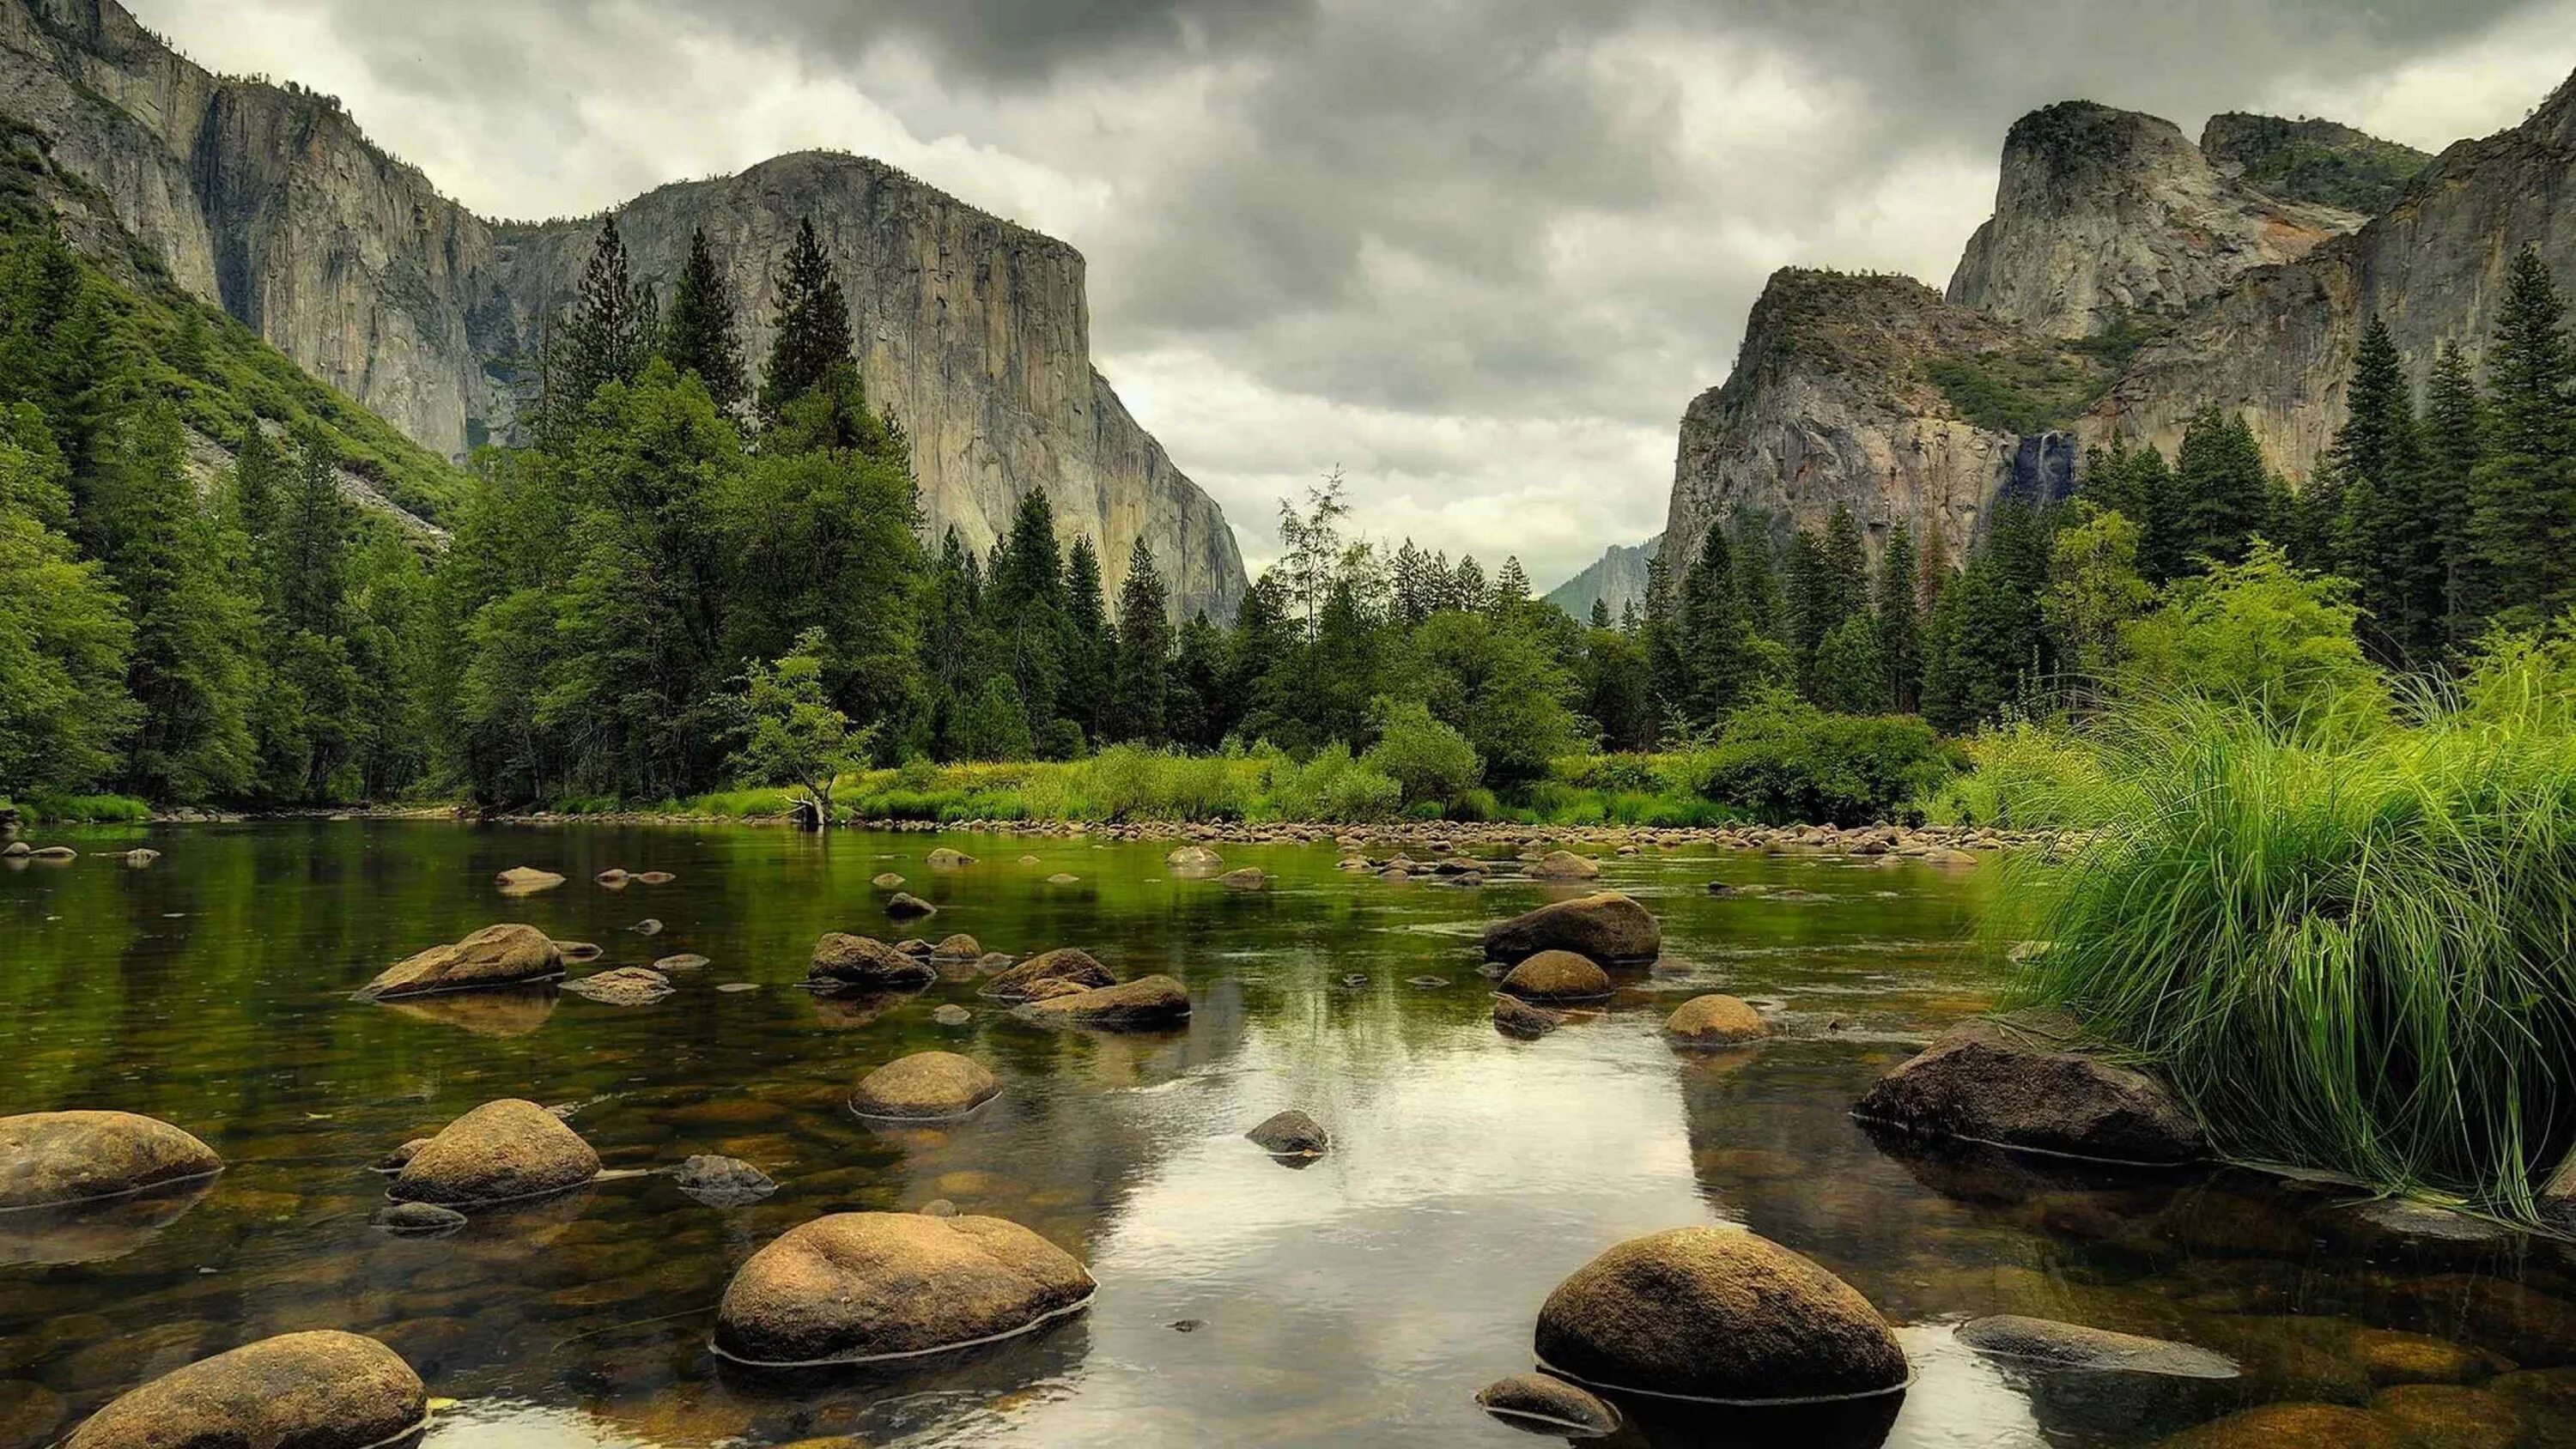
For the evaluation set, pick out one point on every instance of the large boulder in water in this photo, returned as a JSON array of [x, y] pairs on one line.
[[855, 1287], [1714, 1020], [323, 1390], [505, 955], [1608, 927], [1070, 964], [2020, 1082], [904, 906], [865, 961], [53, 1158], [1193, 860], [2076, 1346], [925, 1085], [527, 880], [1142, 1004], [498, 1152], [1291, 1134], [1716, 1314], [946, 859], [1565, 865], [1557, 976]]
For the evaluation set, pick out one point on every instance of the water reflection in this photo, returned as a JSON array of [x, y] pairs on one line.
[[1362, 1299]]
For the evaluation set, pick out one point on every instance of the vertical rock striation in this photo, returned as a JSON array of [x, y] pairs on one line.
[[270, 201]]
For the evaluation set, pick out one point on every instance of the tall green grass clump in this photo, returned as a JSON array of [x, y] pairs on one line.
[[2354, 949], [2022, 776]]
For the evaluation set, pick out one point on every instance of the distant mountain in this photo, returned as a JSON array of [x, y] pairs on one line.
[[1617, 578], [270, 202]]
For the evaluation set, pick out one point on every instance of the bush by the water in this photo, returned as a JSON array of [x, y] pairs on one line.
[[2021, 776], [1785, 761], [2354, 948], [81, 809]]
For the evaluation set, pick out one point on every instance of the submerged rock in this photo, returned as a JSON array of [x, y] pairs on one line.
[[904, 906], [2297, 1426], [53, 853], [648, 926], [1069, 964], [1608, 927], [2454, 1417], [1515, 1017], [1557, 976], [684, 961], [2396, 1227], [1144, 1003], [722, 1181], [305, 1390], [1720, 1315], [400, 1157], [625, 986], [140, 856], [52, 1158], [613, 878], [2072, 1345], [1193, 860], [419, 1220], [505, 955], [2017, 1082], [1063, 878], [951, 1014], [580, 950], [1291, 1134], [959, 947], [925, 1085], [1715, 1020], [652, 877], [499, 1152], [522, 880], [1248, 878], [946, 859], [856, 1287], [887, 881], [1543, 1401], [865, 961]]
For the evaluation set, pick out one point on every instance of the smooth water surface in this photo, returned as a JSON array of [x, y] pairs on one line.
[[1362, 1299]]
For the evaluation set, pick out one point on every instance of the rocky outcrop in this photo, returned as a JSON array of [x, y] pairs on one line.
[[1144, 1004], [2311, 159], [55, 1158], [2103, 216], [1830, 403], [1607, 927], [2278, 348], [1616, 580], [271, 202], [2028, 1083], [1067, 964]]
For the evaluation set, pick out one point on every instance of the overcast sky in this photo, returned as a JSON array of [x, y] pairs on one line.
[[1477, 253]]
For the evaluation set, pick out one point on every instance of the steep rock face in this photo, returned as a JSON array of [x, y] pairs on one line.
[[2105, 214], [974, 331], [1829, 404], [1617, 579], [271, 202], [2279, 346]]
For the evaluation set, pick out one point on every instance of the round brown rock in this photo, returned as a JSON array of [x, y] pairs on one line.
[[1719, 1315], [505, 955], [904, 906], [925, 1085], [1144, 1003], [1515, 1017], [1608, 927], [1291, 1134], [498, 1152], [1552, 1403], [856, 1287], [1557, 976], [1715, 1020], [624, 986], [946, 859], [1194, 860], [1565, 865], [865, 961], [887, 881], [527, 879], [2297, 1426], [48, 1158], [2021, 1082], [300, 1391], [1070, 964], [960, 947]]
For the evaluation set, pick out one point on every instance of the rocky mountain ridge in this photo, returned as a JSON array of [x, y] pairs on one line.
[[2127, 281], [269, 200], [1616, 579]]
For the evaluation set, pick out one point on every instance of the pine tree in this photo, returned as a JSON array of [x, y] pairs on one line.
[[258, 506], [1600, 615], [1468, 589], [2224, 491], [1195, 717], [1419, 585], [1900, 621], [2381, 537], [1851, 669], [1511, 587], [605, 339], [2522, 522], [813, 324], [311, 543], [1089, 660], [1139, 695], [699, 337], [64, 634], [1843, 585], [1024, 603], [1716, 662], [2454, 440], [1757, 573]]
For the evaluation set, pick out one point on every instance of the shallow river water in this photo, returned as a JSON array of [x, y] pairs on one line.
[[1362, 1299]]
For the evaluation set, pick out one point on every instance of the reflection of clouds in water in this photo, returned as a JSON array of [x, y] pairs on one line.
[[506, 1424], [1960, 1399], [1468, 1175]]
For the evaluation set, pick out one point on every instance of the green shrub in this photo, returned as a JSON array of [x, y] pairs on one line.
[[2351, 951], [84, 810], [1785, 761], [2021, 776], [1428, 760], [1333, 786]]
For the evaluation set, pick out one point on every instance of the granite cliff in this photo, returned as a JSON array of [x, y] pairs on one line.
[[1617, 579], [2128, 280], [270, 201]]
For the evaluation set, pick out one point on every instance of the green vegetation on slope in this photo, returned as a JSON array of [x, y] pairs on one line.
[[2314, 160]]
